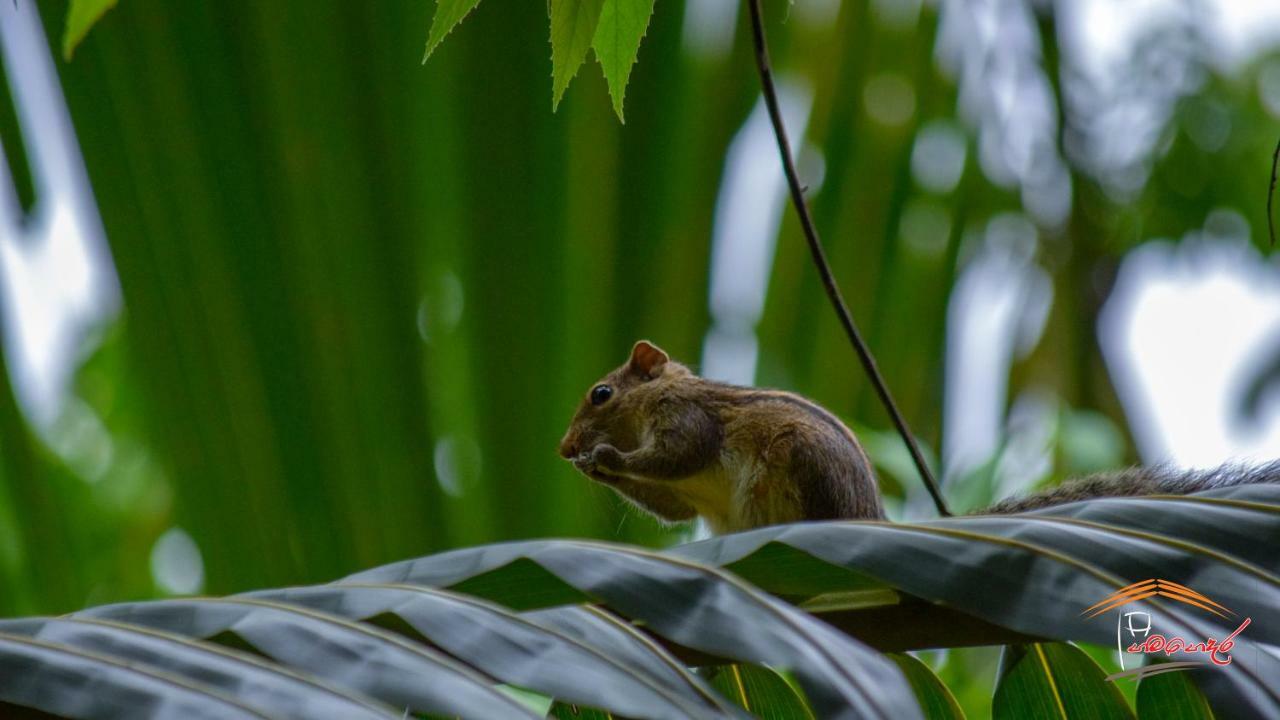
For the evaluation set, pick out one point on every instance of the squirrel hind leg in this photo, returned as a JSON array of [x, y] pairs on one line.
[[833, 488], [764, 491]]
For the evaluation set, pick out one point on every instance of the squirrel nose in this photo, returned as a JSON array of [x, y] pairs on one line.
[[568, 448]]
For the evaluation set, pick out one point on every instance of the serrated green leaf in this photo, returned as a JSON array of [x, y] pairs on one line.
[[80, 17], [448, 14], [761, 692], [573, 24], [623, 24], [1058, 681], [1171, 696], [936, 701]]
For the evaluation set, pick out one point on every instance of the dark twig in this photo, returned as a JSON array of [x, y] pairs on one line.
[[820, 258], [1271, 193]]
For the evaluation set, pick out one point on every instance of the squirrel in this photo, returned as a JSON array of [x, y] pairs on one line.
[[680, 446]]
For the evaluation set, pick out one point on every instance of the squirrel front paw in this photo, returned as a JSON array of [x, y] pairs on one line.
[[606, 457], [595, 462], [585, 463]]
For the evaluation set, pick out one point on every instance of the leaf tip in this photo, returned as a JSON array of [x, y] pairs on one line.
[[617, 42], [81, 17], [561, 78], [448, 16], [433, 42]]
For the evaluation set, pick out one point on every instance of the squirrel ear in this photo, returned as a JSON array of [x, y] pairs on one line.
[[647, 359]]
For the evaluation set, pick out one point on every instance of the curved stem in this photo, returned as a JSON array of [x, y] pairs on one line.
[[820, 257], [1271, 193]]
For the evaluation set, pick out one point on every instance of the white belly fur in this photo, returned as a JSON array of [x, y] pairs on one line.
[[710, 492], [726, 496]]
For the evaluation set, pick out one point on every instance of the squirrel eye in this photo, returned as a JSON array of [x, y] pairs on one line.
[[600, 394]]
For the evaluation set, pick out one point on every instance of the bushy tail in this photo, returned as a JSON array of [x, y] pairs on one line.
[[1137, 481]]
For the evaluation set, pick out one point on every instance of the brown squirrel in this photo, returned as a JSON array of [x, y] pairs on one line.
[[680, 446]]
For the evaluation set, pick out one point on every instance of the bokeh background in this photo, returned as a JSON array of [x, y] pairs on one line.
[[281, 303]]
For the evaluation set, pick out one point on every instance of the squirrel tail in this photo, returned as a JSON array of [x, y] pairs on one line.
[[1139, 481]]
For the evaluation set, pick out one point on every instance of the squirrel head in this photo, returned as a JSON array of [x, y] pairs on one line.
[[614, 407]]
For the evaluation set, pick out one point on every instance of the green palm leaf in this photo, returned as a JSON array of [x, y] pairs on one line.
[[1057, 681], [271, 688], [699, 607], [1171, 696], [75, 683], [761, 691], [970, 580], [619, 639], [361, 657], [508, 647], [936, 700], [1033, 574]]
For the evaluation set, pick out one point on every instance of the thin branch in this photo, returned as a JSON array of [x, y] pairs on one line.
[[820, 258], [1271, 193]]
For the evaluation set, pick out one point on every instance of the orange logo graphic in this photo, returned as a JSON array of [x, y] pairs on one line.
[[1135, 626]]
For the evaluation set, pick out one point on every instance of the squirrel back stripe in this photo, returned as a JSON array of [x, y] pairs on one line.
[[750, 395]]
